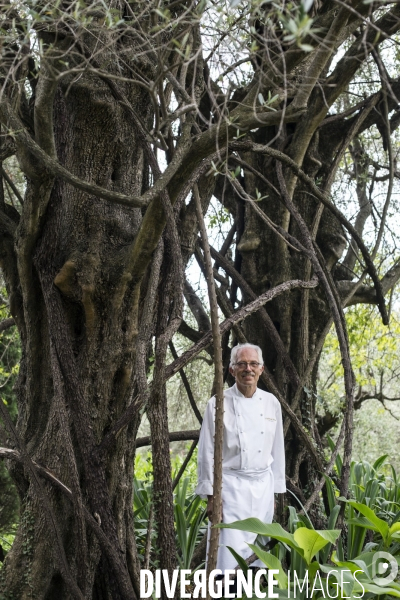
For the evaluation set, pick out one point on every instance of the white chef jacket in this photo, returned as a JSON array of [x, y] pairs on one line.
[[253, 439], [253, 466]]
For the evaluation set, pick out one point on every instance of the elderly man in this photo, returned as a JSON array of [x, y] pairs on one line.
[[253, 462]]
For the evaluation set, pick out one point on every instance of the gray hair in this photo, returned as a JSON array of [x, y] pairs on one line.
[[236, 349]]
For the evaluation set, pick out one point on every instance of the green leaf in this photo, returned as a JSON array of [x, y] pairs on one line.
[[333, 517], [394, 528], [341, 575], [381, 526], [362, 522], [380, 591], [330, 492], [240, 561], [312, 570], [273, 530], [272, 563], [312, 541], [379, 462], [352, 566]]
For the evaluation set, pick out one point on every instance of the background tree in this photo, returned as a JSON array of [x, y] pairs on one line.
[[375, 354], [115, 111]]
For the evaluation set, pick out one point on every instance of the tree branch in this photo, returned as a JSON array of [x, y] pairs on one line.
[[355, 56], [184, 464], [6, 324], [218, 386], [366, 294], [174, 436], [197, 308], [266, 319], [186, 383], [237, 317], [12, 186], [280, 156]]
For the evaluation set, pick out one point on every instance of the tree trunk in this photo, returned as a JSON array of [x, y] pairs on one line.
[[78, 339]]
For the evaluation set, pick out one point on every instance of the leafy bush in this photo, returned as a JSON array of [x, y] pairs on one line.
[[313, 566], [189, 513], [331, 560]]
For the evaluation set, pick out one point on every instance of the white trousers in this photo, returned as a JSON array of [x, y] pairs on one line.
[[242, 497]]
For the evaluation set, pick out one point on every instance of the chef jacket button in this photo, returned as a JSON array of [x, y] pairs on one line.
[[262, 432], [259, 450], [261, 414]]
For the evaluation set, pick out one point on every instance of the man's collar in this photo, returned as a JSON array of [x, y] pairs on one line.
[[237, 392]]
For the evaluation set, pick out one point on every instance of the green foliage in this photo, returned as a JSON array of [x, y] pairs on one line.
[[375, 351], [144, 467], [374, 506], [10, 352], [305, 542], [142, 499], [302, 552], [327, 559], [374, 348], [189, 509], [189, 514]]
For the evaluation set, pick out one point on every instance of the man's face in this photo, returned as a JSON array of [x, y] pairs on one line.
[[247, 376]]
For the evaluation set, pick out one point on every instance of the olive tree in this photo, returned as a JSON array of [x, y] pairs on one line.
[[125, 118]]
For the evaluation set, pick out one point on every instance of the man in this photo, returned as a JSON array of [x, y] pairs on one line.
[[253, 464]]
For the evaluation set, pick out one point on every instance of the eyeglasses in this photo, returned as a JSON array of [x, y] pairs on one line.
[[243, 364]]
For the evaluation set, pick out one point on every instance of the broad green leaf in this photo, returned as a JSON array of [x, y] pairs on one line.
[[381, 525], [343, 577], [272, 563], [380, 590], [273, 530], [365, 558], [312, 541], [353, 566], [394, 528], [362, 522], [330, 535], [279, 594]]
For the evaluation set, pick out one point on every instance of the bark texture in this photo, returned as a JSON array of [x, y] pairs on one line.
[[127, 111]]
